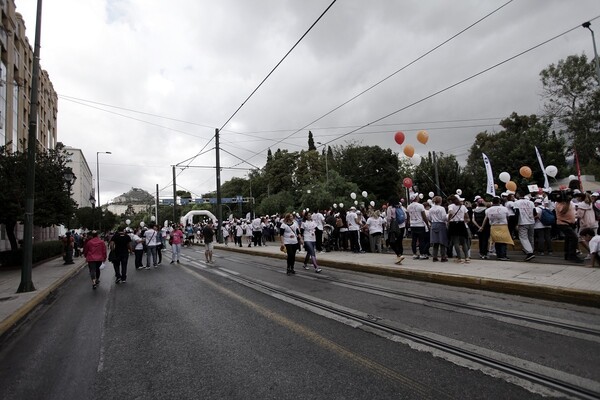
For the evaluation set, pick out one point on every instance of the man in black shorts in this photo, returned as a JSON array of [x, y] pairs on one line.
[[208, 233]]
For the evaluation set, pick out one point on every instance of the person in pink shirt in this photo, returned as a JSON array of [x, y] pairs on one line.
[[176, 241], [95, 254]]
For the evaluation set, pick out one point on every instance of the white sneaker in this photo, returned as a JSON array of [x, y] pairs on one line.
[[416, 257]]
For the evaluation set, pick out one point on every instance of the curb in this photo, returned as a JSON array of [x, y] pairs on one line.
[[12, 320], [553, 293]]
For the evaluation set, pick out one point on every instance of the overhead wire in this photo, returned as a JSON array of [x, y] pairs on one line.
[[389, 76], [460, 82]]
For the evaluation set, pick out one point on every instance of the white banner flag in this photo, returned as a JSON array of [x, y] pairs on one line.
[[490, 189], [546, 183]]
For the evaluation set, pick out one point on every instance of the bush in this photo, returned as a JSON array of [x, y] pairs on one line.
[[41, 251]]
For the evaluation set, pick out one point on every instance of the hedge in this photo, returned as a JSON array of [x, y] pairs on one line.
[[41, 251]]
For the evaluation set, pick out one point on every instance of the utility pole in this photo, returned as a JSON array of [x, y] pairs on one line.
[[26, 281], [174, 196], [219, 208], [157, 222]]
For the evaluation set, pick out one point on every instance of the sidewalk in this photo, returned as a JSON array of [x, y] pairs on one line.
[[578, 284]]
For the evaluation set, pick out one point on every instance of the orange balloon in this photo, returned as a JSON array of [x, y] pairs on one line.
[[422, 136], [409, 151], [525, 172], [510, 185]]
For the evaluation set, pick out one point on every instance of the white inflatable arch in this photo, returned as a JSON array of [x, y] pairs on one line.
[[189, 217]]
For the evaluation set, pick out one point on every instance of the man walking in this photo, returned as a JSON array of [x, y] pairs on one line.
[[120, 243], [151, 238], [208, 233]]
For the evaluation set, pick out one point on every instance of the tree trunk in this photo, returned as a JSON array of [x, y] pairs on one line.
[[10, 233]]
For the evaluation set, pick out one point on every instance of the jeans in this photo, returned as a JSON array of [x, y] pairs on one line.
[[526, 237], [319, 234], [396, 242], [375, 242], [354, 237], [120, 265], [501, 250], [176, 249], [310, 253], [543, 240], [94, 267], [291, 255], [151, 252], [570, 241], [418, 234], [139, 254]]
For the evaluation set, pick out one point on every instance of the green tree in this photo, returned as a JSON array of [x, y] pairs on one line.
[[53, 204], [311, 142], [572, 96], [373, 169], [514, 147]]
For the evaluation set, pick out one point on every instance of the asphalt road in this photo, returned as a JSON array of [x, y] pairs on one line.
[[242, 329]]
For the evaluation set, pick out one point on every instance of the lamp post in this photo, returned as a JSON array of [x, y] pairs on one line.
[[587, 25], [93, 203], [326, 166], [69, 178], [98, 179]]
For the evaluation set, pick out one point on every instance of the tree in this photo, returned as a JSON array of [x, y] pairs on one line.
[[573, 98], [53, 204], [513, 148], [311, 142], [373, 169]]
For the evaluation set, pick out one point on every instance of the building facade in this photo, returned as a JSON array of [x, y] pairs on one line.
[[16, 66], [83, 188]]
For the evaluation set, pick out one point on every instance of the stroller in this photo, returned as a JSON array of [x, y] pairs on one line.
[[328, 239]]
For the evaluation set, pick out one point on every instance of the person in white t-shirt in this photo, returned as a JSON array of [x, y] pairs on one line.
[[308, 229], [458, 218], [526, 222], [439, 231], [418, 224], [375, 225], [497, 217], [319, 219], [353, 229]]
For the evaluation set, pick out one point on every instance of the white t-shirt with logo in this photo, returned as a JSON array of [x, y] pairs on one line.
[[351, 220], [525, 208], [497, 215], [415, 211]]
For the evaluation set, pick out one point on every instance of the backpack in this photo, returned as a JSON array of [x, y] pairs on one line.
[[400, 215], [596, 211], [547, 218]]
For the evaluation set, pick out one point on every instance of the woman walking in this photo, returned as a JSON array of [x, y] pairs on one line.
[[290, 236], [307, 229], [458, 218], [95, 254], [439, 230]]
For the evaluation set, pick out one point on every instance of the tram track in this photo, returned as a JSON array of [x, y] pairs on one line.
[[532, 376], [545, 323]]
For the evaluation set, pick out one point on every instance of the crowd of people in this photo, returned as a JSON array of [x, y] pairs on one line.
[[440, 229]]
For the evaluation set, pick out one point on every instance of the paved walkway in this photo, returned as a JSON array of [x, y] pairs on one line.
[[556, 281]]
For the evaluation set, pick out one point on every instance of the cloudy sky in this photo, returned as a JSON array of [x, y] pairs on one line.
[[150, 80]]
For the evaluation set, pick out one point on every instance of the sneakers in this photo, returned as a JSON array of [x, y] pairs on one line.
[[529, 257], [177, 261], [155, 266], [444, 259], [317, 270], [416, 257], [118, 280], [424, 257], [123, 280], [400, 259], [435, 259], [467, 260], [146, 267], [504, 259], [305, 266], [171, 262], [94, 286]]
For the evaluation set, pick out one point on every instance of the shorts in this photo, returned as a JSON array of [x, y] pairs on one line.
[[209, 246]]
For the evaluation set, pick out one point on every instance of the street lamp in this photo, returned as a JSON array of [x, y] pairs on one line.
[[587, 25], [326, 166], [93, 203], [98, 179], [69, 178]]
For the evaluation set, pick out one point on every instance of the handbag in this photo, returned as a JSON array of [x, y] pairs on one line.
[[112, 256]]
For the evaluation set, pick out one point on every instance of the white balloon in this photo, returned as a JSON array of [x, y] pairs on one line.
[[334, 205], [504, 177], [458, 192], [572, 178], [153, 218], [430, 201], [372, 203], [127, 221], [421, 196], [353, 195], [355, 202], [416, 160], [142, 224], [364, 194], [431, 194], [551, 171], [341, 205]]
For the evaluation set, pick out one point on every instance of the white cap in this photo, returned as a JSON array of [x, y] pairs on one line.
[[509, 192], [596, 194], [353, 208], [476, 198]]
